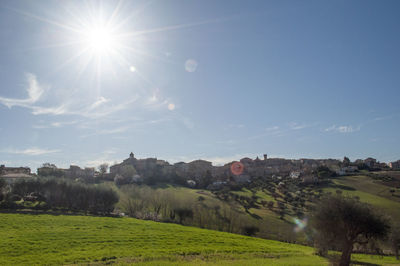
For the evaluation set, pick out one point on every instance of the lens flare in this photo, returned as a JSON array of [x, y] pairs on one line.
[[237, 168], [171, 106], [191, 65], [300, 224]]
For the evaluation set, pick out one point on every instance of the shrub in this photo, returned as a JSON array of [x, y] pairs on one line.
[[250, 230]]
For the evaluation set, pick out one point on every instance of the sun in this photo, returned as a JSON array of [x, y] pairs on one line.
[[99, 39]]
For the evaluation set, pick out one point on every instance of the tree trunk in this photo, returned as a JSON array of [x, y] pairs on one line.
[[346, 254]]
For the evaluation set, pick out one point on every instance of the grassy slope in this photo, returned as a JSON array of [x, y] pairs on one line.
[[272, 227], [368, 189], [45, 239], [372, 192]]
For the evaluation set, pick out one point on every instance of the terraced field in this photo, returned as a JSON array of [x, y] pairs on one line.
[[45, 239]]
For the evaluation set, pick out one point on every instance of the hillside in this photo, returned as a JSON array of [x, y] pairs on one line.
[[266, 204], [47, 239]]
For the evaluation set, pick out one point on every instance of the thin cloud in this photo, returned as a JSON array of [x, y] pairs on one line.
[[105, 157], [387, 117], [298, 126], [269, 131], [56, 124], [97, 103], [236, 126], [95, 110], [273, 128], [226, 142], [342, 129], [34, 90], [107, 132], [59, 110], [31, 151], [157, 101]]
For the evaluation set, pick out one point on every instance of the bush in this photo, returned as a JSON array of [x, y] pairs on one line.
[[250, 230], [183, 213]]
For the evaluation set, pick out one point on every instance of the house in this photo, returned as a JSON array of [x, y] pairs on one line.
[[14, 170], [347, 170], [12, 174], [294, 174], [341, 171], [216, 185], [77, 172], [395, 165], [370, 162], [191, 183], [246, 160], [73, 171]]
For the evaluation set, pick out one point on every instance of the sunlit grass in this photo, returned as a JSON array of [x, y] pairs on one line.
[[46, 239]]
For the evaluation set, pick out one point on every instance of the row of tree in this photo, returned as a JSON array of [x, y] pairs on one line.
[[171, 206], [61, 195]]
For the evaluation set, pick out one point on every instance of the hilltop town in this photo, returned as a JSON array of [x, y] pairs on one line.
[[203, 174]]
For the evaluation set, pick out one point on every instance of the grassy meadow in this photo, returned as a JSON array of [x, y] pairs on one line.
[[61, 239]]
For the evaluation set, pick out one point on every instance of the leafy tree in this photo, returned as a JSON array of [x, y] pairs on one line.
[[119, 180], [2, 185], [128, 171], [325, 172], [206, 180], [49, 165], [103, 168], [183, 213], [341, 222]]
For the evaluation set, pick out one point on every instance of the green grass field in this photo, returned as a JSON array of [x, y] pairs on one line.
[[28, 239]]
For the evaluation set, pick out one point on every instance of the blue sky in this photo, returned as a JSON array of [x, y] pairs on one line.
[[89, 82]]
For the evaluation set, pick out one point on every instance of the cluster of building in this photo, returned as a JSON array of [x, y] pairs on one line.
[[72, 172], [11, 174], [196, 171], [395, 165], [8, 171]]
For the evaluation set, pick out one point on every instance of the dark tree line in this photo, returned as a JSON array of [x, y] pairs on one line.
[[63, 195]]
